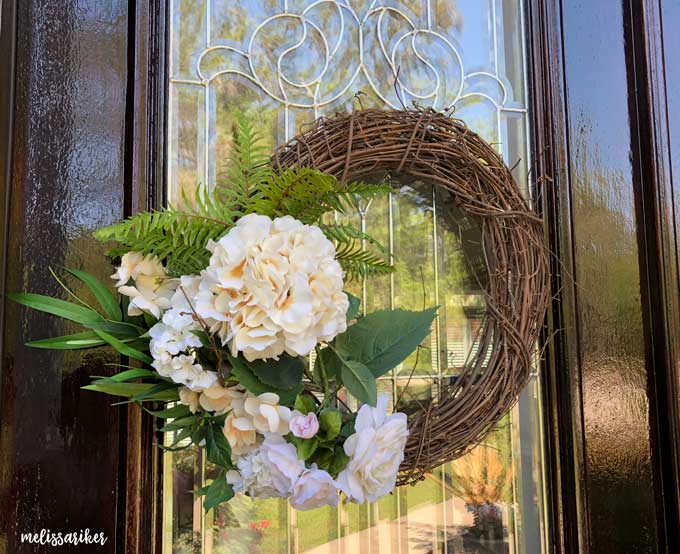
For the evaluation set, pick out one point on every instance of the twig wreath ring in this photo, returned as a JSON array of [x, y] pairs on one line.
[[432, 147]]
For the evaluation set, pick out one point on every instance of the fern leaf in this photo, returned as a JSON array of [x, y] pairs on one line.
[[248, 163], [352, 251], [176, 236]]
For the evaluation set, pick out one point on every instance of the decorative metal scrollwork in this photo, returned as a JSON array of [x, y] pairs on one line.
[[368, 48]]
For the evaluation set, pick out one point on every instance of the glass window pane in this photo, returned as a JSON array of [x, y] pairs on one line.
[[284, 63]]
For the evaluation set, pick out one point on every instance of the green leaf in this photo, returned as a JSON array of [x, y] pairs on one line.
[[282, 374], [217, 448], [330, 422], [107, 300], [87, 339], [131, 374], [130, 390], [247, 378], [179, 437], [354, 305], [54, 306], [359, 381], [331, 364], [180, 423], [338, 462], [384, 339], [117, 329], [156, 389], [304, 404], [305, 447], [123, 348], [218, 492], [175, 412], [178, 411], [332, 460]]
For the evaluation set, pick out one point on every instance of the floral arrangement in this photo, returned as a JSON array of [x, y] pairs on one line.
[[240, 335]]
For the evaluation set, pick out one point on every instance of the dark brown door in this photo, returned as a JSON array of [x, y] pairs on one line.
[[82, 123]]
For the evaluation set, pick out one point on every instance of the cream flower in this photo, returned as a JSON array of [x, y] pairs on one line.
[[266, 414], [240, 433], [314, 488], [152, 288], [375, 450], [272, 287], [219, 399], [189, 398], [303, 426]]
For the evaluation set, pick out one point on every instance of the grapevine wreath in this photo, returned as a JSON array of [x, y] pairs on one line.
[[238, 333], [430, 146]]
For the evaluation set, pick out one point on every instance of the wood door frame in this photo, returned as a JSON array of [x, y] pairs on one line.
[[141, 512]]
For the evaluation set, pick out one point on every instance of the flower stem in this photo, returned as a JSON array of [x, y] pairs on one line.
[[324, 378]]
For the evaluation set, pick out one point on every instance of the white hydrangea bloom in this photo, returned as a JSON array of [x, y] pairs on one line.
[[272, 287], [152, 287], [270, 471], [185, 370], [376, 451], [253, 477], [171, 341]]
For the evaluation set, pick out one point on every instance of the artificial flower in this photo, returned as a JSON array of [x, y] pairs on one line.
[[219, 399], [189, 398], [266, 413], [240, 433], [272, 286], [253, 477], [152, 287], [375, 451], [314, 488], [283, 463], [303, 426]]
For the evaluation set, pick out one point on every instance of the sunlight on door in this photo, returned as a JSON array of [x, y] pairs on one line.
[[282, 63]]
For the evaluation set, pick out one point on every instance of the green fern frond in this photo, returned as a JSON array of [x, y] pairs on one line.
[[248, 163], [177, 236], [359, 254], [297, 191], [346, 198]]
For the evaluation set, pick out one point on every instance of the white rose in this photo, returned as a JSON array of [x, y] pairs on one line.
[[314, 488], [282, 461], [376, 451], [189, 398], [272, 287]]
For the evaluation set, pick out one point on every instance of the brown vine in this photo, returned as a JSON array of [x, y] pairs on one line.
[[432, 147]]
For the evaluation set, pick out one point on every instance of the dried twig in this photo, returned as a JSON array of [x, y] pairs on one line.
[[433, 147]]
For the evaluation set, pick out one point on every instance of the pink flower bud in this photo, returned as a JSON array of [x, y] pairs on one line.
[[304, 426]]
